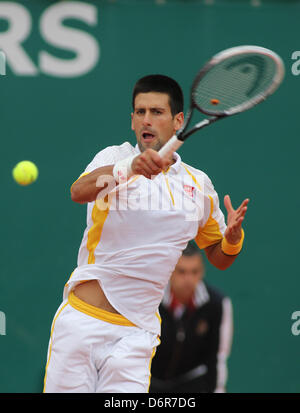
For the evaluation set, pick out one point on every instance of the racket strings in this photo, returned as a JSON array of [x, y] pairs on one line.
[[233, 82]]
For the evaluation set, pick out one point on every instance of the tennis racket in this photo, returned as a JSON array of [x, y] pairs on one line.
[[231, 82]]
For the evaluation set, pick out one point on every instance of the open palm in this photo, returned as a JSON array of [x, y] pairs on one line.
[[235, 217]]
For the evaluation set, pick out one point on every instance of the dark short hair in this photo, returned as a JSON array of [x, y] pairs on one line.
[[191, 249], [161, 84]]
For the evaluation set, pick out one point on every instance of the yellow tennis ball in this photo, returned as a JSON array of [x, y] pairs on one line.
[[25, 172]]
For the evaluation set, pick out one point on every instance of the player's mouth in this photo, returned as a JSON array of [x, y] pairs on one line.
[[148, 136]]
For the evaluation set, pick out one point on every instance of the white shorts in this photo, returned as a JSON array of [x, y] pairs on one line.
[[92, 350]]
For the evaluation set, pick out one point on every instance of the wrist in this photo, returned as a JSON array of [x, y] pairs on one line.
[[232, 249], [122, 170]]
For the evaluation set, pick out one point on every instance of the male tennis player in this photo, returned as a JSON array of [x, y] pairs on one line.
[[104, 334]]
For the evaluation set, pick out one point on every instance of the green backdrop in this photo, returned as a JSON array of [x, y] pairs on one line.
[[60, 121]]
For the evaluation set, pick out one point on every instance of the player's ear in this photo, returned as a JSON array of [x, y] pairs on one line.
[[132, 127], [178, 120]]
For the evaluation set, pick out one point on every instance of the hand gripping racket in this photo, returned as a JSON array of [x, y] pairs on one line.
[[233, 81]]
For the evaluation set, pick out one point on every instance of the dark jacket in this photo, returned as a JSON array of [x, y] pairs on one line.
[[193, 351]]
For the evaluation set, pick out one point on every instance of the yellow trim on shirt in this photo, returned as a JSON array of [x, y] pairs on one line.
[[84, 174], [69, 278], [210, 234], [134, 178], [99, 214], [94, 234], [192, 176], [96, 312], [50, 346], [169, 189]]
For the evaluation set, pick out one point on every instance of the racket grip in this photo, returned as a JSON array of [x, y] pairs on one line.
[[171, 146]]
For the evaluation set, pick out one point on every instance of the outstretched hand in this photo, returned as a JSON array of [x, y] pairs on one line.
[[235, 217]]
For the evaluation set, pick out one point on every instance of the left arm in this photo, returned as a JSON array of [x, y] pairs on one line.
[[223, 254]]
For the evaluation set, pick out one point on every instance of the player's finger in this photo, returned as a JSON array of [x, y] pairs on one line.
[[145, 165], [243, 204], [156, 169], [157, 163], [241, 212], [227, 203], [237, 224], [155, 157], [142, 169]]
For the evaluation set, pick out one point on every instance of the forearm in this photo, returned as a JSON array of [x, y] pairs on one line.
[[87, 188], [216, 257]]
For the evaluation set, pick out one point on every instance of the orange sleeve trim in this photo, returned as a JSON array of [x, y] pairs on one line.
[[210, 234]]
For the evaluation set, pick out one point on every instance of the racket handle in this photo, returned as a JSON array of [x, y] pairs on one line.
[[171, 146]]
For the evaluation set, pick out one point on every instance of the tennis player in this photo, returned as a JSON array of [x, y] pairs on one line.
[[105, 332]]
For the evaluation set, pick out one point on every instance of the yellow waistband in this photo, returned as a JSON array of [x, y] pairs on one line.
[[96, 312]]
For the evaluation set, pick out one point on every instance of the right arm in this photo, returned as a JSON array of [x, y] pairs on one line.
[[85, 189]]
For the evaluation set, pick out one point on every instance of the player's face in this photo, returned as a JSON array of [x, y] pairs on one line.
[[187, 274], [152, 120]]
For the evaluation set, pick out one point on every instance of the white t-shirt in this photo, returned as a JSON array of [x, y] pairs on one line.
[[133, 239]]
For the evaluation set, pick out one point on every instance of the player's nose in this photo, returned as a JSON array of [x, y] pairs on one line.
[[147, 119]]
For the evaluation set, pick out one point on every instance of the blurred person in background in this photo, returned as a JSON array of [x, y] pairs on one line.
[[197, 328]]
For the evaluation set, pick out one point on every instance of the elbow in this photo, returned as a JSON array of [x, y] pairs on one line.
[[223, 267], [75, 196], [219, 265]]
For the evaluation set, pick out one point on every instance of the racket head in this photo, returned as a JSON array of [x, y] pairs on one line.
[[236, 79]]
